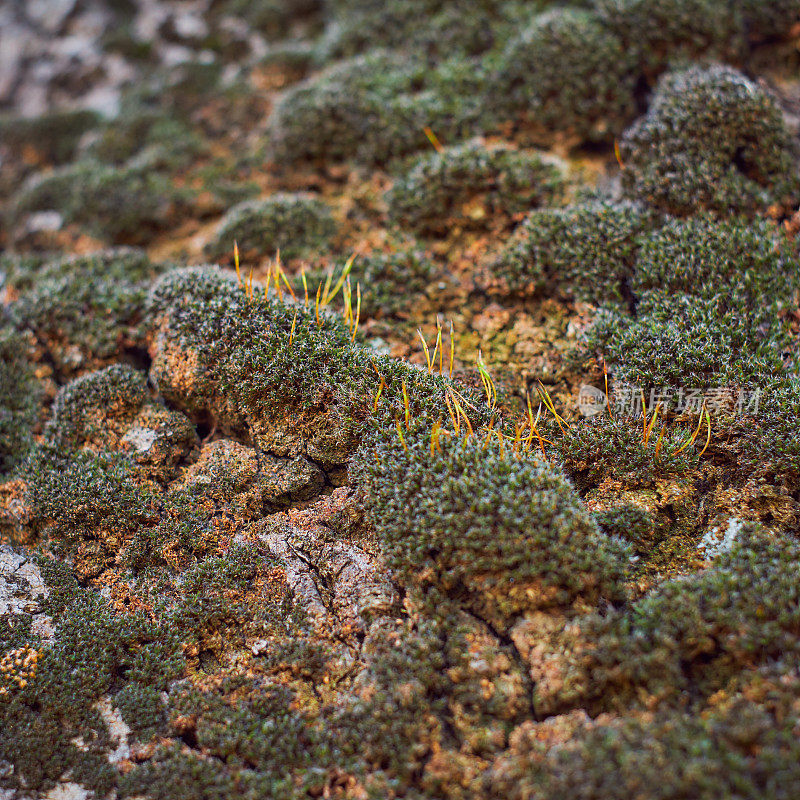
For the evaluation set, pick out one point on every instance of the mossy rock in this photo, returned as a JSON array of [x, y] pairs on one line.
[[472, 186], [294, 224], [295, 384], [712, 140]]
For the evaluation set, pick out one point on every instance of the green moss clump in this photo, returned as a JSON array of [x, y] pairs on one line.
[[471, 185], [121, 205], [393, 281], [754, 262], [682, 340], [18, 400], [146, 129], [763, 439], [87, 407], [96, 510], [374, 109], [712, 140], [664, 31], [605, 446], [295, 224], [437, 29], [269, 368], [568, 76], [86, 310], [55, 135], [502, 534], [397, 724], [585, 251]]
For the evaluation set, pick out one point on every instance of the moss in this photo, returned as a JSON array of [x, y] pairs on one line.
[[690, 342], [261, 730], [95, 509], [668, 31], [397, 723], [248, 371], [393, 281], [688, 638], [86, 309], [52, 723], [434, 28], [585, 251], [295, 224], [82, 408], [762, 441], [471, 186], [121, 205], [613, 446], [630, 522], [55, 135], [19, 396], [146, 129], [753, 261], [374, 109], [711, 140], [568, 76], [742, 749], [463, 522]]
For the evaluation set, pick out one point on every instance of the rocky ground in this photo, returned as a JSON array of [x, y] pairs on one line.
[[300, 495]]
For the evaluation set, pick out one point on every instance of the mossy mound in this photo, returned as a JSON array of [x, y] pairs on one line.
[[568, 76], [682, 340], [119, 205], [374, 109], [393, 281], [18, 400], [470, 186], [86, 310], [293, 383], [755, 262], [463, 522], [585, 251], [711, 140], [434, 28], [294, 224], [664, 31]]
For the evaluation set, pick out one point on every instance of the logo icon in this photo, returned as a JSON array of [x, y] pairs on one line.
[[591, 400]]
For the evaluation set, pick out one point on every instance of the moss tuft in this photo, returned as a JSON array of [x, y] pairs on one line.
[[472, 186], [712, 140], [295, 224], [585, 251]]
